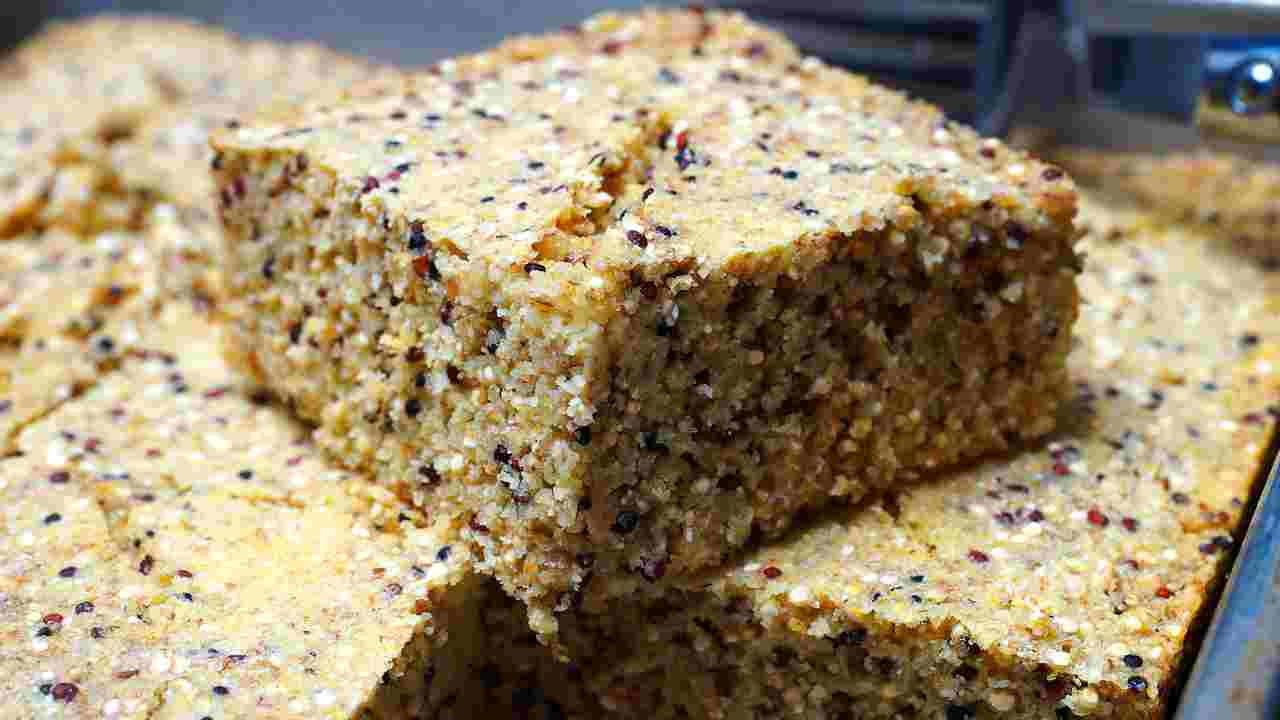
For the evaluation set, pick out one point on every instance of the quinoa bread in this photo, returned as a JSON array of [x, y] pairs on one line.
[[178, 551], [623, 311], [174, 547], [1062, 581], [88, 87], [57, 293]]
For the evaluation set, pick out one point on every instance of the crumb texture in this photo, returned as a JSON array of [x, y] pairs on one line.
[[1063, 580], [620, 310]]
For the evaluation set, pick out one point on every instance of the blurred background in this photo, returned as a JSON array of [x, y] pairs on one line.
[[1146, 59], [958, 53], [401, 31]]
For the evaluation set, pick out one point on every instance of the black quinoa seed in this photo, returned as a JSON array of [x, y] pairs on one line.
[[501, 454], [490, 677], [417, 237], [627, 521], [855, 636], [1016, 235], [685, 157], [523, 699]]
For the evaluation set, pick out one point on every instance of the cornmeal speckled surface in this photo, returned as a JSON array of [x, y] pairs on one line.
[[84, 280], [1225, 193], [88, 88], [128, 158], [38, 376], [175, 549], [1062, 580], [622, 310], [92, 92], [59, 293]]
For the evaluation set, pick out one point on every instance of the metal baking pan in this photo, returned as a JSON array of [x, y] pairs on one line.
[[1237, 671]]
